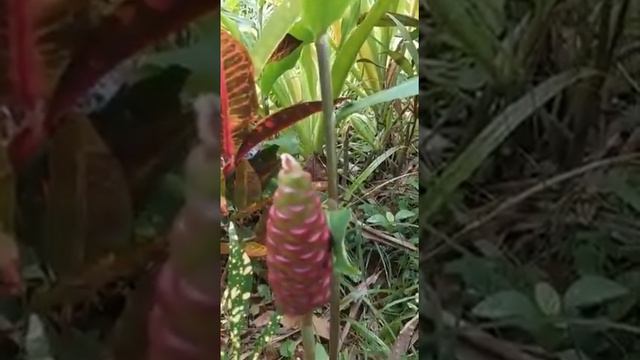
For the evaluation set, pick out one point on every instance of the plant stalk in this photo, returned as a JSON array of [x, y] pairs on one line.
[[324, 69], [308, 339], [322, 48]]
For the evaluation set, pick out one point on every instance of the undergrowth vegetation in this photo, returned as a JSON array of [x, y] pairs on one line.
[[311, 64], [530, 154]]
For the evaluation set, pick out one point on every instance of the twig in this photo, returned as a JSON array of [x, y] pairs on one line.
[[515, 200], [375, 235]]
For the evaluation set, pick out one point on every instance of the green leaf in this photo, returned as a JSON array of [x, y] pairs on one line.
[[319, 15], [406, 89], [592, 290], [346, 56], [491, 137], [266, 335], [378, 219], [366, 128], [404, 214], [406, 35], [364, 175], [273, 71], [504, 305], [405, 20], [235, 297], [402, 61], [464, 21], [338, 220], [320, 352], [548, 299], [278, 25]]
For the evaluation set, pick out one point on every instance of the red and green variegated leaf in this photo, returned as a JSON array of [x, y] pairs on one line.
[[228, 146], [287, 46], [25, 67], [131, 27], [271, 125], [242, 100]]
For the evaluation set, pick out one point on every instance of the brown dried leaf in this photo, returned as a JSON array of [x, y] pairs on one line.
[[89, 210], [247, 188], [263, 319]]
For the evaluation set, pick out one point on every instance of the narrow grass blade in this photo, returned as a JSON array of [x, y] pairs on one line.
[[357, 183], [403, 90], [346, 56], [491, 137]]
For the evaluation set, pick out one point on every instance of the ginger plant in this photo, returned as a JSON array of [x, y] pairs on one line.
[[298, 249]]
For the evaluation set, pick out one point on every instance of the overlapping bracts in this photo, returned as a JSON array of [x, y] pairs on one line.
[[298, 243]]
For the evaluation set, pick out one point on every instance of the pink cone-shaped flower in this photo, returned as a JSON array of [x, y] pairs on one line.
[[298, 243]]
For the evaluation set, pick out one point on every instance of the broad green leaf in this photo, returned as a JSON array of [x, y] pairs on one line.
[[278, 25], [504, 305], [274, 70], [491, 137], [548, 299], [346, 56], [320, 352], [404, 214], [319, 15], [404, 90], [302, 32], [338, 220], [482, 275], [592, 290]]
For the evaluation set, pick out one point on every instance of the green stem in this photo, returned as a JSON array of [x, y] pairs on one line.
[[324, 69], [322, 48], [308, 338]]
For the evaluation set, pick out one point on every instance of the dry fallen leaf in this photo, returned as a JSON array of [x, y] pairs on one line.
[[252, 248], [290, 322], [263, 319], [321, 326]]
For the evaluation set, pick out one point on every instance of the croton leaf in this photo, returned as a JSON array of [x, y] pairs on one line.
[[242, 99], [228, 146], [129, 28], [242, 129], [272, 124], [25, 68], [287, 46]]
